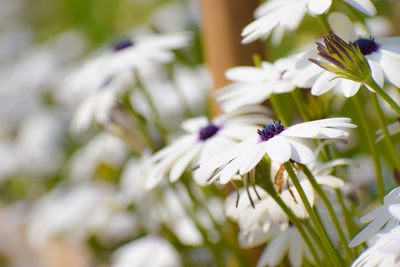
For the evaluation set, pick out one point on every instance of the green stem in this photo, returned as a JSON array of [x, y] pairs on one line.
[[298, 101], [276, 107], [371, 83], [371, 144], [389, 142], [140, 120], [324, 22], [314, 219], [157, 120], [331, 212]]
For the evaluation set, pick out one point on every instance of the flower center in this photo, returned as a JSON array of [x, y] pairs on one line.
[[208, 131], [122, 45], [270, 130], [367, 46]]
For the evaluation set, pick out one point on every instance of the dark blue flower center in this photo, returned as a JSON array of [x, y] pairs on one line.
[[208, 131], [270, 130], [367, 46], [122, 45]]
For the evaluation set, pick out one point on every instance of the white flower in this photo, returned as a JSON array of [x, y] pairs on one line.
[[288, 14], [253, 85], [266, 211], [279, 143], [203, 140], [378, 218], [149, 251], [71, 212], [102, 149], [384, 252], [382, 55]]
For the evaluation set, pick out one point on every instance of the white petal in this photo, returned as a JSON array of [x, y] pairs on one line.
[[325, 82], [391, 68], [194, 125], [300, 152], [342, 26], [369, 230], [376, 72], [319, 6], [364, 6], [349, 87], [245, 74], [278, 149], [394, 209], [296, 248], [181, 164], [252, 157], [275, 250], [329, 180]]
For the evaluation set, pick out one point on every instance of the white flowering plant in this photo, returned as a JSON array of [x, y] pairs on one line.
[[117, 149]]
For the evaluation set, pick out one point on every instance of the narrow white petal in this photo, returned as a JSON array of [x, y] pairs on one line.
[[296, 248], [252, 157], [364, 6], [376, 72], [318, 7], [369, 230], [373, 214], [181, 164], [300, 152], [245, 74], [278, 149], [330, 181]]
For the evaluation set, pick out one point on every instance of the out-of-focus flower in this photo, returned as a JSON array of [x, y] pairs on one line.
[[142, 251], [378, 218], [279, 143], [385, 251], [104, 148], [71, 212], [204, 139], [288, 14], [253, 85]]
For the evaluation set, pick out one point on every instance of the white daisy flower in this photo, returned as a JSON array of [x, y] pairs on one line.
[[385, 251], [265, 211], [287, 14], [141, 252], [378, 218], [279, 143], [253, 85], [204, 139], [382, 55]]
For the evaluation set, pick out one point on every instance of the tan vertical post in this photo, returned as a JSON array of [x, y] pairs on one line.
[[222, 24]]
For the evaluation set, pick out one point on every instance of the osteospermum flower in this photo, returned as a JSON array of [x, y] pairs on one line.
[[281, 144], [287, 14], [385, 251], [379, 217], [381, 54], [253, 85], [202, 140]]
